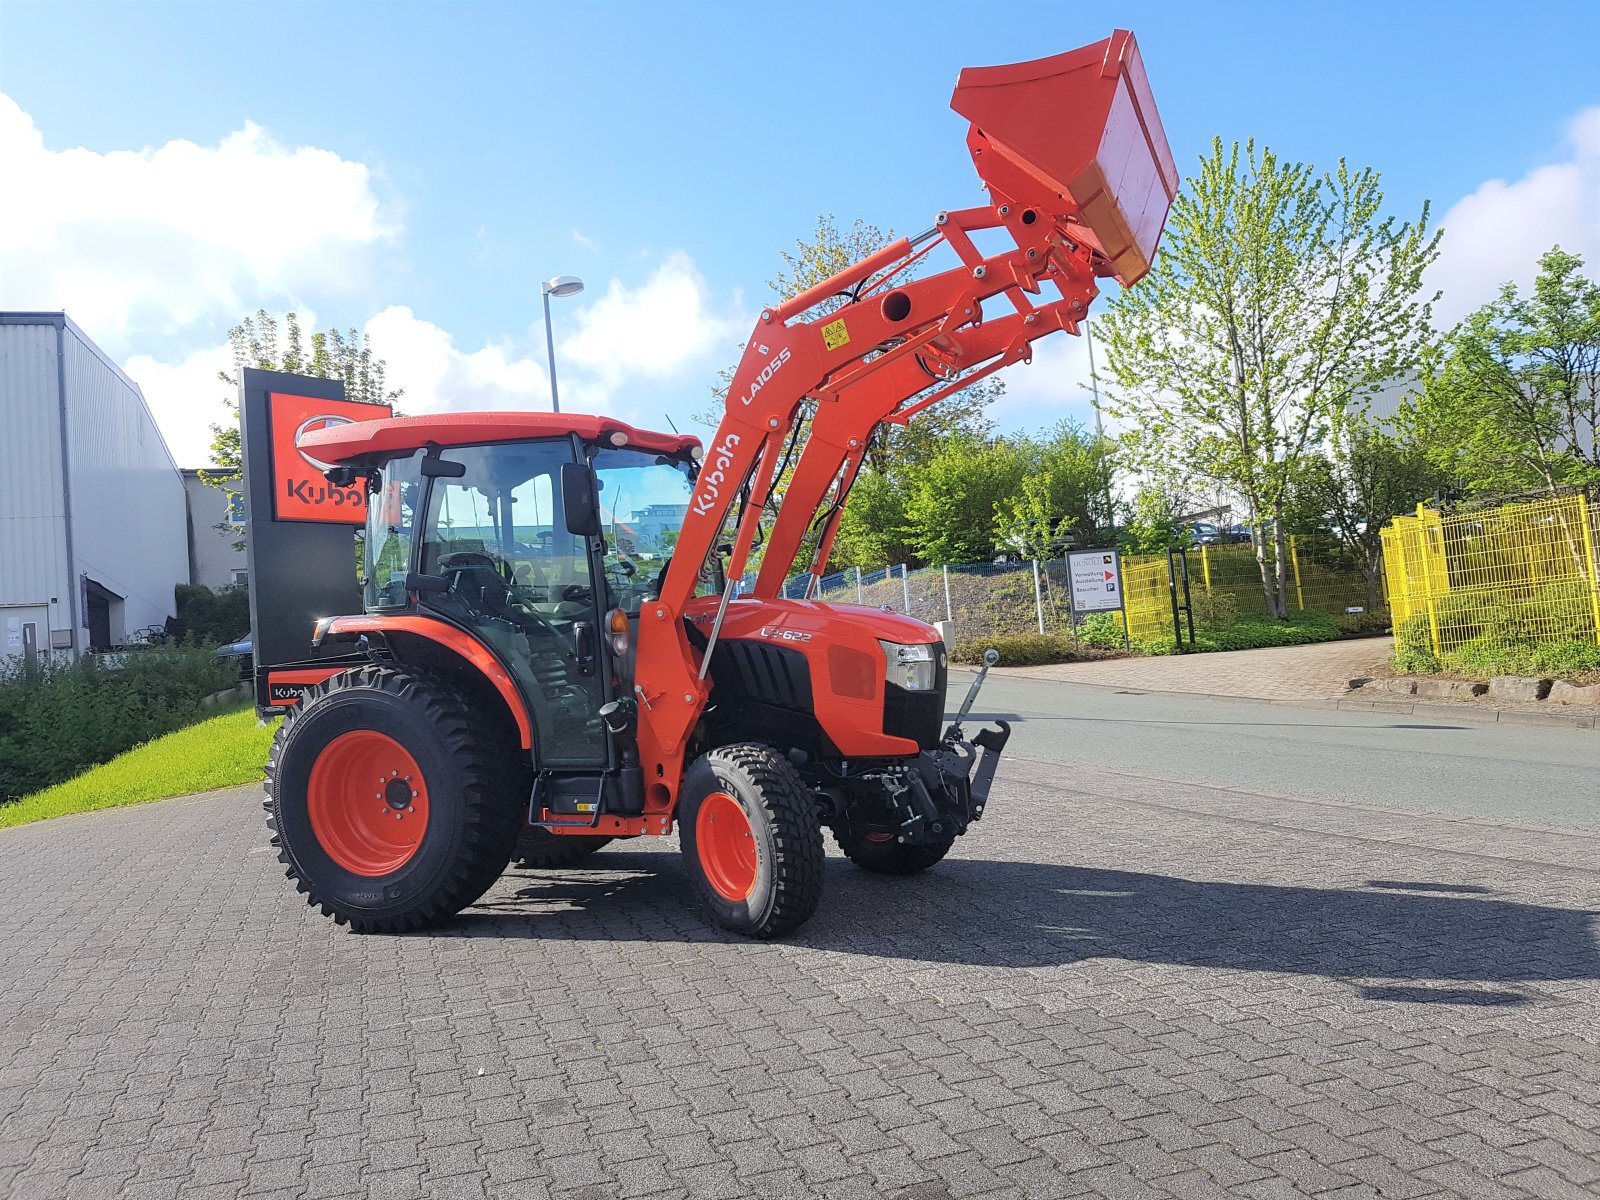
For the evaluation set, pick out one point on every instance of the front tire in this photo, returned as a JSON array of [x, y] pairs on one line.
[[882, 855], [539, 849], [750, 833], [388, 801]]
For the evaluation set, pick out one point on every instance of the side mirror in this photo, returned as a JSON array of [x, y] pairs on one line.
[[579, 501]]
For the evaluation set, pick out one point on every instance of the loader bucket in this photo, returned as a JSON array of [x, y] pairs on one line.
[[1082, 126]]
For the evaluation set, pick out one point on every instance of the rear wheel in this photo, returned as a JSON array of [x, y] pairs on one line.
[[539, 848], [387, 801], [881, 854], [750, 833]]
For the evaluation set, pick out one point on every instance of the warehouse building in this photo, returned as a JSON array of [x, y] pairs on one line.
[[93, 515]]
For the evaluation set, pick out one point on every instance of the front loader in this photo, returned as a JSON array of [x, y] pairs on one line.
[[553, 652]]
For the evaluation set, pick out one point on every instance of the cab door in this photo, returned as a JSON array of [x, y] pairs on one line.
[[497, 535]]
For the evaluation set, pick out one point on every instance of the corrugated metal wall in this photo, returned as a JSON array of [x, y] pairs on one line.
[[33, 549], [129, 523]]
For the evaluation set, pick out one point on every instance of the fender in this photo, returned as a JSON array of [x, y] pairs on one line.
[[451, 638]]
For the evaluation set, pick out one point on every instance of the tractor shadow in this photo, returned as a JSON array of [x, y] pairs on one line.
[[1023, 914]]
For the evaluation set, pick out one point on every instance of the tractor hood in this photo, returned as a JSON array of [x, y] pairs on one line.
[[750, 616]]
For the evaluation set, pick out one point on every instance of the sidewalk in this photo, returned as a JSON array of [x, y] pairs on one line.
[[1317, 672], [1315, 676]]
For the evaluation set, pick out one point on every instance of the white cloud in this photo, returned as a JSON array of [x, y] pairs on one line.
[[1053, 387], [149, 242], [1497, 233], [584, 242], [185, 398], [665, 327], [423, 359]]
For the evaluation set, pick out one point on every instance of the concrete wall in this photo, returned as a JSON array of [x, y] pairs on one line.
[[213, 560], [35, 578], [90, 500], [128, 512]]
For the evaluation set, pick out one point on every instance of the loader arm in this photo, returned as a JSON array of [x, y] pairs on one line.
[[1080, 177]]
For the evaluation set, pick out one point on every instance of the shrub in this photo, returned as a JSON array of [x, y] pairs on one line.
[[1213, 609], [1250, 633], [1102, 629], [1019, 649], [1548, 630], [209, 618], [55, 720]]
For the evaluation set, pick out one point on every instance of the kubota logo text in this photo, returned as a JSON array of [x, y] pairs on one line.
[[714, 475]]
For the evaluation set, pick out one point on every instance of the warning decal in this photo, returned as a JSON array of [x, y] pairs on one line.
[[834, 334]]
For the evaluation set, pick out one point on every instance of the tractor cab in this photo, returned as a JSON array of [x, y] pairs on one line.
[[535, 536]]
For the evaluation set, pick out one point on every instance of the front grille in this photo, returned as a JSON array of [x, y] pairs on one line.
[[762, 672]]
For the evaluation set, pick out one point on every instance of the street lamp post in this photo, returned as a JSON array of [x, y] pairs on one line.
[[561, 285]]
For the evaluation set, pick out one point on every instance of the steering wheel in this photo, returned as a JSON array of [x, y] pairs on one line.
[[468, 558]]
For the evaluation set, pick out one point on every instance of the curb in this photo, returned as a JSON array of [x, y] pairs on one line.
[[1474, 714]]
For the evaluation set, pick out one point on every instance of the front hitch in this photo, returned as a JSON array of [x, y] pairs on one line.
[[951, 784]]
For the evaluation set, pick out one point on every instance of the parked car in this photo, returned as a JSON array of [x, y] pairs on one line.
[[1236, 534], [1205, 534], [242, 652]]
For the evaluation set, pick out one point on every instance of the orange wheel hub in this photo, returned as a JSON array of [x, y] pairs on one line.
[[367, 802], [727, 846]]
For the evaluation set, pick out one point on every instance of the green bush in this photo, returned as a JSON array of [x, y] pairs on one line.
[[1250, 633], [1413, 646], [209, 618], [1548, 630], [1019, 649], [55, 720], [1102, 629], [1363, 622], [1213, 609]]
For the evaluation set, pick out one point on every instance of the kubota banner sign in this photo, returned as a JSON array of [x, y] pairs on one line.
[[299, 490]]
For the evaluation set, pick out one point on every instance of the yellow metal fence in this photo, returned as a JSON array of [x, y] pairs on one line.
[[1225, 584], [1466, 587]]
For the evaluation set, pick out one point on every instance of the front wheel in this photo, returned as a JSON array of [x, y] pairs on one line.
[[750, 832], [388, 803], [539, 849], [882, 854]]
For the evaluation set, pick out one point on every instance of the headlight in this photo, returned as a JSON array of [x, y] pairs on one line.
[[909, 667]]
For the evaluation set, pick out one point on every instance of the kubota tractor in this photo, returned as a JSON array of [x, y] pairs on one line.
[[553, 654]]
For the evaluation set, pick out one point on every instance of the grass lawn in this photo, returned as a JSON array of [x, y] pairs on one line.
[[218, 752]]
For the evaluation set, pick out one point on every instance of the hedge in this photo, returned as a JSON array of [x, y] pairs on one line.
[[57, 719]]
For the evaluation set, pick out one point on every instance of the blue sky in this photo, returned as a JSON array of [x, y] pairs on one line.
[[421, 166]]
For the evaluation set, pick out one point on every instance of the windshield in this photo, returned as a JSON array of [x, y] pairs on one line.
[[644, 497]]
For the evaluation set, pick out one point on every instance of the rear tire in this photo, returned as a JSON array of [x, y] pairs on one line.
[[750, 833], [376, 744], [890, 857], [539, 849]]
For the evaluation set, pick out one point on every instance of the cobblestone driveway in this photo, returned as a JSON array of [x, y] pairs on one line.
[[1114, 989]]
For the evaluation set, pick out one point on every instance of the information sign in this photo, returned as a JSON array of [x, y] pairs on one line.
[[1096, 580]]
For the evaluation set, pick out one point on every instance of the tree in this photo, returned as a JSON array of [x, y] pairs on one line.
[[874, 530], [1281, 299], [952, 501], [1515, 397], [330, 354], [1062, 494], [1367, 476]]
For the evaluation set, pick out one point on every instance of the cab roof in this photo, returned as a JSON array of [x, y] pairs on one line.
[[398, 435]]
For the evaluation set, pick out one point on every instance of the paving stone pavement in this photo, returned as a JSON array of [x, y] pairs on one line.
[[1317, 672], [1113, 988]]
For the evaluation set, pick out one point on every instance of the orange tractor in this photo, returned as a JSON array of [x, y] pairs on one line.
[[556, 651]]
